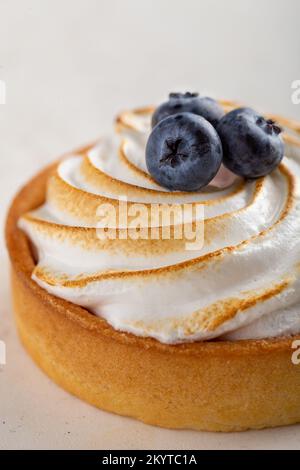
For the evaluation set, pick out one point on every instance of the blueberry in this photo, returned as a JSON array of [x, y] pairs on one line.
[[252, 145], [189, 103], [183, 152]]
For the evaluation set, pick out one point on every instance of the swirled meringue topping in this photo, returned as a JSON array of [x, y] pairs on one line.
[[242, 283]]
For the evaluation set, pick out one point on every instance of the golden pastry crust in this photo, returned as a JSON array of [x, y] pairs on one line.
[[215, 385]]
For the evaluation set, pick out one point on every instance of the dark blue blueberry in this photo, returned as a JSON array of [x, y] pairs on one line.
[[189, 103], [252, 145], [183, 152]]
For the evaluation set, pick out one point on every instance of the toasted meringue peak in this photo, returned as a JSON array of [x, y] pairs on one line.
[[240, 281]]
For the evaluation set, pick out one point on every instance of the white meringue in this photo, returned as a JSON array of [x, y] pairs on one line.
[[242, 283]]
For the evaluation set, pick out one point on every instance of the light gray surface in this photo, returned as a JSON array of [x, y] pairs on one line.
[[69, 66]]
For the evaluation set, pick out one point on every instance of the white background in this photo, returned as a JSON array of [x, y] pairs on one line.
[[69, 66]]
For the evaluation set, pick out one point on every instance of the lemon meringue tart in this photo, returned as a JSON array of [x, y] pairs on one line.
[[141, 326]]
